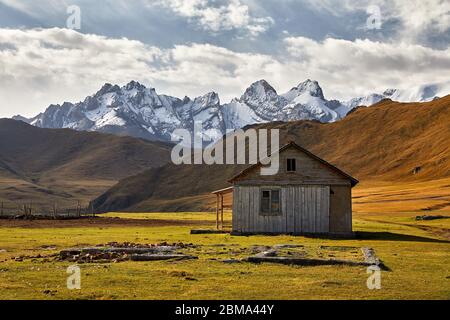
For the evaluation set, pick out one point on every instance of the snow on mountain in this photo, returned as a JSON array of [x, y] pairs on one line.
[[139, 111], [306, 101], [368, 100], [261, 103], [422, 93], [134, 110]]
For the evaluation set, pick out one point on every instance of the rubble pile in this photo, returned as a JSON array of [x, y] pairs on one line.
[[117, 252]]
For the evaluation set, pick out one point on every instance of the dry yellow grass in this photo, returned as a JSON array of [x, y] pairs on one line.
[[417, 252]]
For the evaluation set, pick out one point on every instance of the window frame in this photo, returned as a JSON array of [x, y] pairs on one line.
[[270, 211], [291, 165]]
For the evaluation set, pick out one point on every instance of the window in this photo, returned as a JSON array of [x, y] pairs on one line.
[[270, 202], [291, 165]]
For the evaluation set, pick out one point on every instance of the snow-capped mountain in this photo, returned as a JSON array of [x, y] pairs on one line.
[[422, 93], [134, 110], [139, 111], [261, 103]]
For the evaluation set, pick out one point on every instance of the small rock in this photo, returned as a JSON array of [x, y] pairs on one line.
[[190, 279], [231, 261]]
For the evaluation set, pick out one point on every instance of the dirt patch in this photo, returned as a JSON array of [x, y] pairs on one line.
[[100, 222]]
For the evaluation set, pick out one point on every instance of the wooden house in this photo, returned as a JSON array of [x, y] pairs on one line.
[[307, 196]]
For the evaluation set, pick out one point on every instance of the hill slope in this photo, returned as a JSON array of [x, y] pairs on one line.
[[389, 141], [37, 163]]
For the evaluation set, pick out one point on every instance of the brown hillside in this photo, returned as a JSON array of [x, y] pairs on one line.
[[388, 141], [50, 164]]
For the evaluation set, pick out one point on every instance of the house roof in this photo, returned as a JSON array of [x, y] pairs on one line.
[[223, 191], [292, 144]]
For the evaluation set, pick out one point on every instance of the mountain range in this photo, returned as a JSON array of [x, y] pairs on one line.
[[388, 142], [138, 111]]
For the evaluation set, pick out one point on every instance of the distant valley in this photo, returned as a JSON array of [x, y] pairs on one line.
[[47, 166]]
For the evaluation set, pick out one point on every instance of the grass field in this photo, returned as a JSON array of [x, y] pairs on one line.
[[417, 253]]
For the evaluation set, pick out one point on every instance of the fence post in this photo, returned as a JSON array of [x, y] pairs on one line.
[[78, 209], [54, 210], [1, 209], [92, 209]]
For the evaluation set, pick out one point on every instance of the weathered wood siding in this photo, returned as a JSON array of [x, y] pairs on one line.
[[304, 209], [341, 209], [309, 171]]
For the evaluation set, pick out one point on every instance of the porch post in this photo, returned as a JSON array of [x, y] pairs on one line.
[[221, 211], [217, 211]]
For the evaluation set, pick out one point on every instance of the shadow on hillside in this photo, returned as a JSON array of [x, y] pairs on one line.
[[389, 236]]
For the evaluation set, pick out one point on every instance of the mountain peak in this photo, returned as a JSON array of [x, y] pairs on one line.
[[259, 90], [107, 88], [209, 99], [134, 85], [312, 87], [389, 92], [262, 85]]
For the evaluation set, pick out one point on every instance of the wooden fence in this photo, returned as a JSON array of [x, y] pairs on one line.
[[26, 210]]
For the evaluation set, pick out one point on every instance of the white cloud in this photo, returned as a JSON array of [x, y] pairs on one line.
[[362, 65], [230, 15], [39, 67], [418, 18]]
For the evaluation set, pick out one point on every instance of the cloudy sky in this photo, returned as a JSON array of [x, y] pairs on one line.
[[190, 47]]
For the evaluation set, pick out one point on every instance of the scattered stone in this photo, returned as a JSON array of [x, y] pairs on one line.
[[156, 257], [276, 254], [258, 248], [268, 253], [303, 261], [371, 259], [50, 292], [117, 252], [3, 250], [190, 279], [288, 246], [231, 261], [426, 217], [48, 247]]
